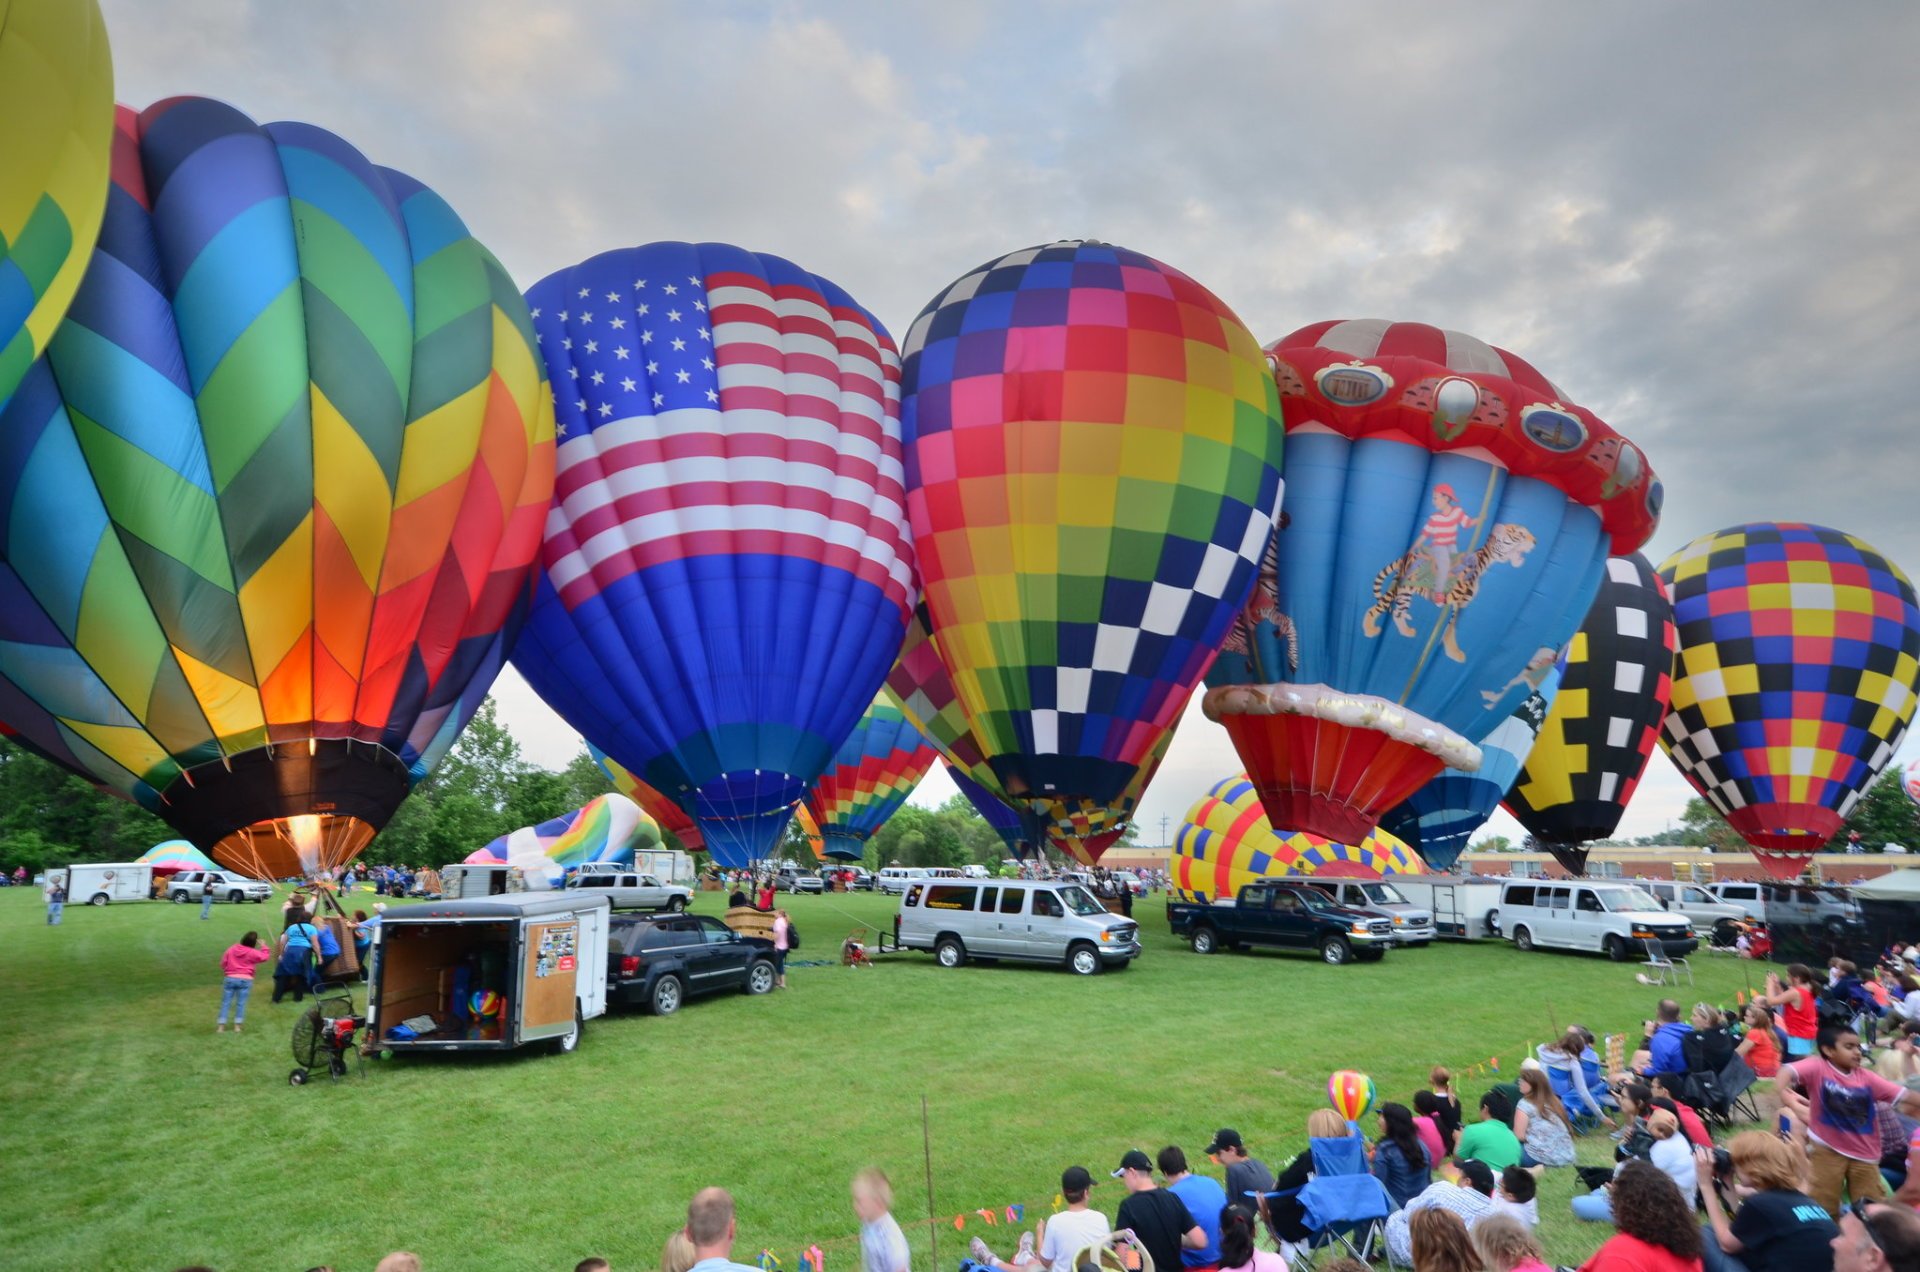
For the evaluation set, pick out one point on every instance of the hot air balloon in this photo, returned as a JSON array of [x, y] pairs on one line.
[[1438, 819], [1092, 471], [1449, 515], [173, 856], [1226, 842], [811, 829], [727, 571], [1084, 830], [56, 94], [273, 495], [1351, 1093], [871, 775], [1910, 781], [607, 828], [1615, 679], [1799, 658], [994, 810], [670, 816]]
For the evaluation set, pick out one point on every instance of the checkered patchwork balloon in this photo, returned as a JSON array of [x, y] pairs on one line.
[[1092, 468], [670, 815], [1615, 681], [272, 496], [1798, 665], [871, 775], [727, 572], [1440, 818], [56, 96], [1226, 843], [1449, 515], [1084, 830]]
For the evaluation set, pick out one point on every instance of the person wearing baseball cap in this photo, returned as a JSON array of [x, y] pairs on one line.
[[1158, 1219], [1062, 1237], [1249, 1179]]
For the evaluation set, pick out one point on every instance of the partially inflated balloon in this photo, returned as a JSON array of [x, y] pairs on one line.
[[671, 816], [1615, 679], [871, 775], [271, 499], [811, 829], [1449, 515], [727, 568], [1351, 1093], [1799, 658], [1226, 843], [608, 828], [56, 96], [174, 856], [1092, 458], [1441, 817], [1910, 781]]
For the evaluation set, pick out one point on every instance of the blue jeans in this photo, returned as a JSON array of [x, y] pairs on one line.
[[1713, 1258], [233, 993], [53, 912], [1595, 1207], [206, 901]]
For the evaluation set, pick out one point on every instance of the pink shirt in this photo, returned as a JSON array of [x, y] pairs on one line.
[[780, 934], [1430, 1136], [1843, 1114], [1262, 1261], [240, 960]]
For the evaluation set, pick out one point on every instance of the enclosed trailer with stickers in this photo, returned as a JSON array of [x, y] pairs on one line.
[[488, 974]]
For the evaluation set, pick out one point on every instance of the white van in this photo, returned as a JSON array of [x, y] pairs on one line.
[[96, 883], [1616, 919], [1030, 919], [895, 879]]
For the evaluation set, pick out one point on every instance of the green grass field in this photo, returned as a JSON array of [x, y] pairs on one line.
[[138, 1138]]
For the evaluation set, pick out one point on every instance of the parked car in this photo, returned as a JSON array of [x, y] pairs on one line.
[[895, 879], [1131, 882], [188, 885], [1711, 917], [658, 962], [859, 878], [1285, 914], [973, 871], [1619, 920], [632, 891], [1031, 920], [1412, 924], [794, 879]]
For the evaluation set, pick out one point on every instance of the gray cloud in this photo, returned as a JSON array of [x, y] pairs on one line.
[[1697, 219]]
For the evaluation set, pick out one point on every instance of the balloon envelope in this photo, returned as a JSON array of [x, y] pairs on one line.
[[1351, 1093], [1439, 819], [1910, 781], [174, 856], [1448, 519], [56, 94], [1226, 843], [609, 828], [1004, 820], [1795, 681], [1615, 681], [272, 497], [1092, 452], [871, 775], [727, 569], [667, 813]]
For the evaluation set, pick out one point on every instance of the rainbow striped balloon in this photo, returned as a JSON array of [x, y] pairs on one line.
[[56, 94], [672, 818], [610, 828], [1351, 1093], [871, 775], [1226, 842]]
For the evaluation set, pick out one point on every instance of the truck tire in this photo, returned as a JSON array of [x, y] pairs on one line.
[[569, 1042], [1523, 940], [677, 906], [668, 993], [949, 952], [236, 897], [179, 896], [1083, 960], [1334, 951], [1204, 940], [760, 977], [1615, 948], [98, 898]]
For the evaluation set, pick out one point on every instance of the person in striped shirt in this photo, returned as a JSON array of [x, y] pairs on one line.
[[1441, 533]]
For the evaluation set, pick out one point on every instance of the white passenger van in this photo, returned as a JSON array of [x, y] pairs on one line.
[[1615, 919], [1035, 920], [895, 879]]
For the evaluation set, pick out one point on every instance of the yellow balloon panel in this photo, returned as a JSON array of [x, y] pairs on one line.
[[1226, 843]]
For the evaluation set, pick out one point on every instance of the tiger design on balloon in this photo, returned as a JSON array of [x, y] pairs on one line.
[[1415, 574]]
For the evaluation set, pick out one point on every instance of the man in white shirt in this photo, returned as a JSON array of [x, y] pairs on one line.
[[710, 1228], [1062, 1237], [1465, 1188]]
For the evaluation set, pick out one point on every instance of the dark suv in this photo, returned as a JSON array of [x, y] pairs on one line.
[[657, 963]]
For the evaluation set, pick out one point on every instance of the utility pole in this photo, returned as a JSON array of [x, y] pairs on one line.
[[1164, 841]]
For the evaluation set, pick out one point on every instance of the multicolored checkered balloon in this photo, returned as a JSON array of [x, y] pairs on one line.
[[1226, 843], [870, 776], [1093, 444], [1796, 680]]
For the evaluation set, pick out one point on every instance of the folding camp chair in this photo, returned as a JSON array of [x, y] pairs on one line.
[[1724, 1098], [1666, 971], [1344, 1207]]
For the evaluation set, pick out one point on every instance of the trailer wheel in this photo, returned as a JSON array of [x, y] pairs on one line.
[[569, 1042], [98, 898]]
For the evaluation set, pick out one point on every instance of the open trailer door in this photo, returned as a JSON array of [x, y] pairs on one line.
[[549, 977]]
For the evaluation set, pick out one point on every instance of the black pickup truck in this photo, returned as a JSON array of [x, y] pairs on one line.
[[1286, 914]]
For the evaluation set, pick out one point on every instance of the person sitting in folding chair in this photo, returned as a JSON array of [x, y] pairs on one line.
[[1717, 1079], [1465, 1188], [1573, 1067], [1343, 1205]]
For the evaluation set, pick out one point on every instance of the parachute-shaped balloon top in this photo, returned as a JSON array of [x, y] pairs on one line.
[[1439, 819], [872, 774], [174, 856], [1448, 518], [1226, 843], [609, 828], [1615, 679], [1092, 461], [56, 94], [1910, 781], [671, 817], [271, 499], [727, 569], [1799, 658]]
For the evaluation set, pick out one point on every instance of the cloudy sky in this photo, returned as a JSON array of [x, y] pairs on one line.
[[1698, 219]]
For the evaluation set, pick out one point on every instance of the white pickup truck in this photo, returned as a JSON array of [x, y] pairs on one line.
[[630, 890]]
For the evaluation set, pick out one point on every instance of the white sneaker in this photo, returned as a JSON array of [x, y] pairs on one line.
[[1290, 1252], [1025, 1253], [981, 1254]]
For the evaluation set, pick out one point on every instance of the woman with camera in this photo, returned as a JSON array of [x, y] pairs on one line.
[[1776, 1227]]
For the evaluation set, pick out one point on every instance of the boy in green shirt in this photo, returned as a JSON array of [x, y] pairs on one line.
[[1491, 1139]]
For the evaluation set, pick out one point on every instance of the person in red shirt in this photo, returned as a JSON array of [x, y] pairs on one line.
[[1656, 1228], [1798, 1014], [237, 966], [1758, 1047]]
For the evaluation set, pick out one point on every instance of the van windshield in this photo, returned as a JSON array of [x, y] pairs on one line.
[[1079, 902], [1382, 894], [1619, 899]]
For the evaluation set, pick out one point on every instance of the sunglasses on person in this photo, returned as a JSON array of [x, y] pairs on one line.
[[1858, 1209]]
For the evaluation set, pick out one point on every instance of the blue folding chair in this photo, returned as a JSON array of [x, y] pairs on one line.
[[1343, 1206]]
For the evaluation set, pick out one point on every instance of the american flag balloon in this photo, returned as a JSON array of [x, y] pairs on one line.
[[727, 571]]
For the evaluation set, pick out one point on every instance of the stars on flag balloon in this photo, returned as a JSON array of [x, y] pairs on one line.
[[648, 340]]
